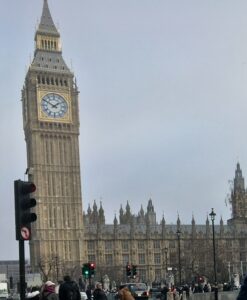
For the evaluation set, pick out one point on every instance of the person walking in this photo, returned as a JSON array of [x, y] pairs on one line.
[[98, 293], [243, 291], [69, 290], [48, 291], [125, 294]]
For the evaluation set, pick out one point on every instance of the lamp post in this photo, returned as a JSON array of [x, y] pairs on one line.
[[179, 256], [165, 251], [212, 215]]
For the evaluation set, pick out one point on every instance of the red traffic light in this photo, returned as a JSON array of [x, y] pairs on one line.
[[92, 265], [28, 187]]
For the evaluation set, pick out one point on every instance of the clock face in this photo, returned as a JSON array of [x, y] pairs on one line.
[[54, 105]]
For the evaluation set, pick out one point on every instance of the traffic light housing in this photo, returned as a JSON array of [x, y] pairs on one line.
[[128, 270], [134, 270], [91, 269], [23, 204], [85, 270]]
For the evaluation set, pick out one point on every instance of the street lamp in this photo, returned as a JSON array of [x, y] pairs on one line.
[[179, 255], [212, 215], [165, 251]]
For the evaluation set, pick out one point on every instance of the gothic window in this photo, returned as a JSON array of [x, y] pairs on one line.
[[108, 246], [141, 245], [91, 246], [228, 243], [157, 260], [91, 258], [242, 243], [156, 244], [125, 245], [142, 275], [125, 259], [242, 256], [109, 259], [141, 258], [172, 244]]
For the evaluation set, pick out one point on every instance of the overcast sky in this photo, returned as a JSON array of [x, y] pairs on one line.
[[163, 89]]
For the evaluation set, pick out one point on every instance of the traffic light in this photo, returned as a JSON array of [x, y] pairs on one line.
[[134, 270], [23, 204], [128, 270], [91, 269], [85, 270]]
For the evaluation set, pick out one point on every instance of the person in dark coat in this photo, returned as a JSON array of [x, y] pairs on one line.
[[243, 291], [98, 293], [69, 290]]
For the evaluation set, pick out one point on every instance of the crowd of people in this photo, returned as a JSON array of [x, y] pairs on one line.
[[67, 290]]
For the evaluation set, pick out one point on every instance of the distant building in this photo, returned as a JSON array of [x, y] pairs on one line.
[[11, 269], [152, 246]]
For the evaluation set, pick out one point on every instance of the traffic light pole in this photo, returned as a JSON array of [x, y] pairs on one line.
[[22, 270]]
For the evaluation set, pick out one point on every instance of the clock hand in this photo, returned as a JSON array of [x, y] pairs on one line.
[[53, 105]]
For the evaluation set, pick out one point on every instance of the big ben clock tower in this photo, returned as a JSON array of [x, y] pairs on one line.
[[51, 126]]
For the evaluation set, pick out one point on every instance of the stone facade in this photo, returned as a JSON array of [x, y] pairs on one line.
[[153, 247]]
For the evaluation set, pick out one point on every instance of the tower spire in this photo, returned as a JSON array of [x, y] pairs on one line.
[[46, 23]]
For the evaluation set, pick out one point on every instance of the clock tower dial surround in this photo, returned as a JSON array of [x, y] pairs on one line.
[[51, 127]]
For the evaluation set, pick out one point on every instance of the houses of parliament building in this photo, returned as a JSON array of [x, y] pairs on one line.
[[70, 237]]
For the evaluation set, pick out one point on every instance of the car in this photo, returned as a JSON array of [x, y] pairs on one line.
[[138, 290], [155, 293]]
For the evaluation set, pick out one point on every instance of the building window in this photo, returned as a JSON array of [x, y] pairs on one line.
[[172, 244], [125, 245], [141, 245], [90, 245], [108, 246], [91, 258], [157, 260], [141, 257], [108, 259], [242, 243], [125, 259], [142, 275], [156, 244]]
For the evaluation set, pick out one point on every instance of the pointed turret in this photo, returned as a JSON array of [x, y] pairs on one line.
[[46, 25], [48, 52], [239, 196]]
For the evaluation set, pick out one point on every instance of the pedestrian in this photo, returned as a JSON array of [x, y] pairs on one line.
[[89, 292], [69, 290], [243, 291], [125, 294], [48, 291], [98, 293], [33, 294], [164, 292]]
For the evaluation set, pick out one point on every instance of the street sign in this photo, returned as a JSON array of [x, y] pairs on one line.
[[25, 233]]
